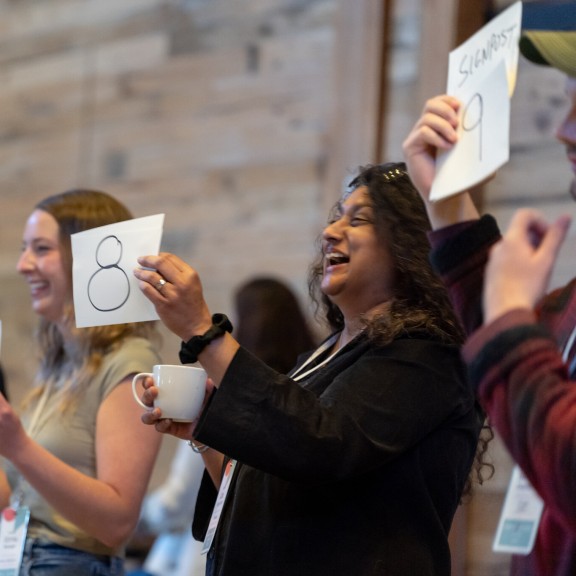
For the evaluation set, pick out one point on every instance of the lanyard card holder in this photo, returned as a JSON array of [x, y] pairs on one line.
[[13, 529], [520, 517]]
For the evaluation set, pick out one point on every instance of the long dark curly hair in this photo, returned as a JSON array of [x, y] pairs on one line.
[[420, 301]]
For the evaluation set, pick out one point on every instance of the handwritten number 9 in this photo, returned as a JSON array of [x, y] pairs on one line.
[[472, 118]]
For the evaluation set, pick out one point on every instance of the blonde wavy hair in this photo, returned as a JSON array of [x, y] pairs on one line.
[[71, 363]]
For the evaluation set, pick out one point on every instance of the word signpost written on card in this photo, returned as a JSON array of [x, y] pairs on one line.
[[482, 75]]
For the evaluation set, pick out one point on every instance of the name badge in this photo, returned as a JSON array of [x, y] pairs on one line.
[[224, 486], [13, 528], [520, 517]]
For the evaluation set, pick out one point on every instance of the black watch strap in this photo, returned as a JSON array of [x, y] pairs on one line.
[[189, 350]]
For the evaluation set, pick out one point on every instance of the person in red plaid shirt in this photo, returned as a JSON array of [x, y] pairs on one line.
[[521, 350]]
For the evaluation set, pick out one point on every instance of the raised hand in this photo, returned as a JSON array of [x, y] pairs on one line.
[[175, 289], [521, 263], [435, 130]]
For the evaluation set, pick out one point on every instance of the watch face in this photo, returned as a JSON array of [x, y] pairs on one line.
[[222, 321]]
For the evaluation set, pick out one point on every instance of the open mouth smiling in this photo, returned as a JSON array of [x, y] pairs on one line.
[[336, 258]]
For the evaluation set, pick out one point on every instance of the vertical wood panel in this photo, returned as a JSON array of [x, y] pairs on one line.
[[356, 126], [436, 43]]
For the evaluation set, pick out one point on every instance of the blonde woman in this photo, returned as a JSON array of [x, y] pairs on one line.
[[78, 460]]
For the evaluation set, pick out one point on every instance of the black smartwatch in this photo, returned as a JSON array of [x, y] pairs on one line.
[[189, 350]]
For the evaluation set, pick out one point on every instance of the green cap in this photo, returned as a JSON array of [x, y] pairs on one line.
[[550, 48]]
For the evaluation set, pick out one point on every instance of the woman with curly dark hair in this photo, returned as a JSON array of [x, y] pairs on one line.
[[421, 300], [355, 462]]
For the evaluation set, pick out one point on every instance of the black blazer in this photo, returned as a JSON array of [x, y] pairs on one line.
[[356, 470]]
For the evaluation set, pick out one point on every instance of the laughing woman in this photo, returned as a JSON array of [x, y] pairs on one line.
[[77, 461], [356, 461]]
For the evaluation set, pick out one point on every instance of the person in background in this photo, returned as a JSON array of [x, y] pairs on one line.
[[166, 514], [354, 462], [78, 458], [521, 349], [271, 325]]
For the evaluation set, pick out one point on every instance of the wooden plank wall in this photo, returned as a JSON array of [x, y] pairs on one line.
[[214, 113], [229, 117]]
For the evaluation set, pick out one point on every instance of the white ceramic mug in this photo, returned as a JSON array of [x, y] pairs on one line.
[[181, 390]]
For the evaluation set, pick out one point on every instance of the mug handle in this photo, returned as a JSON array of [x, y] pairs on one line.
[[135, 382]]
